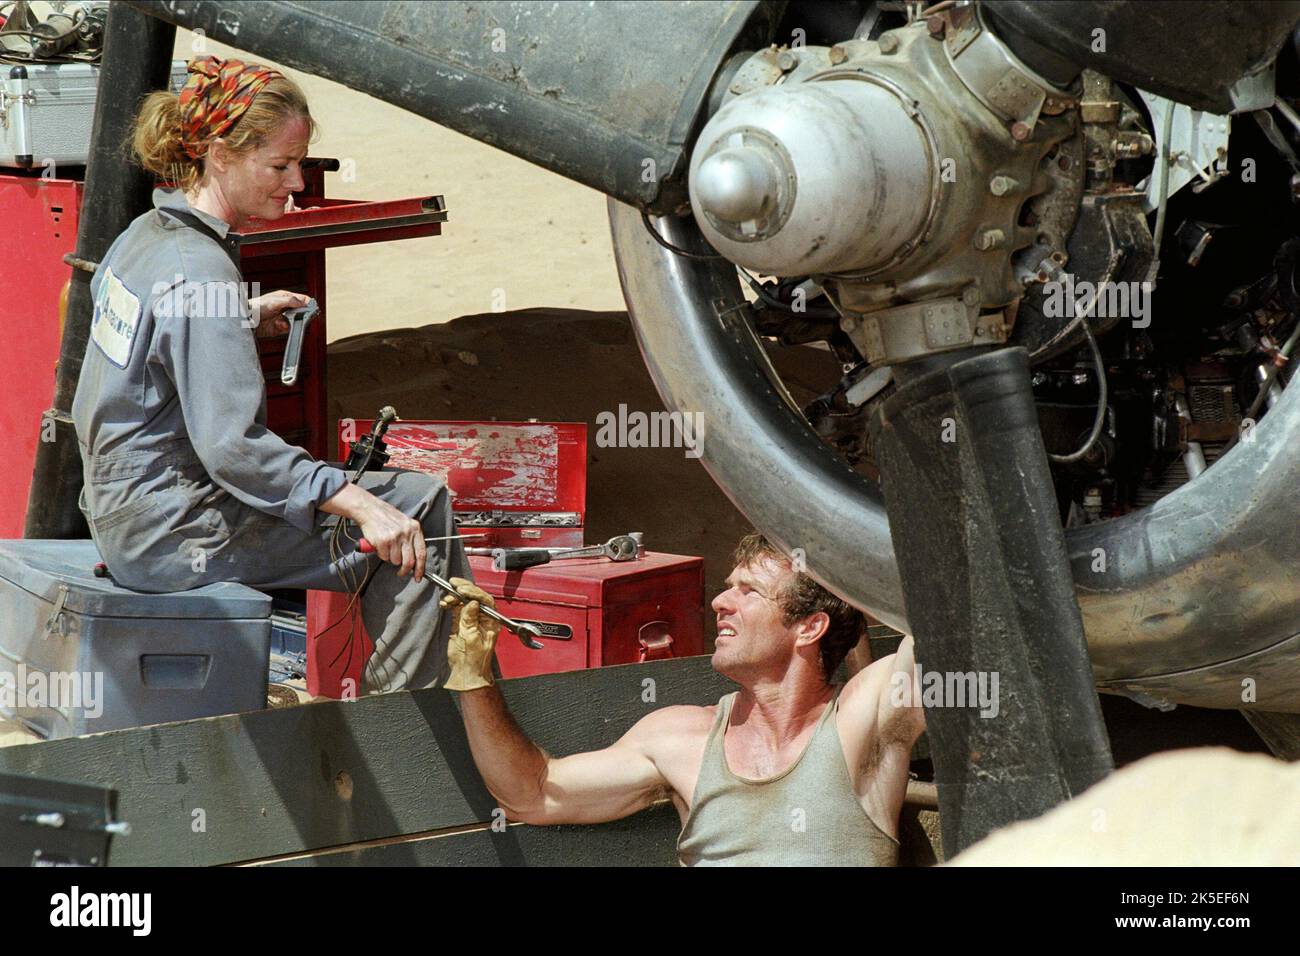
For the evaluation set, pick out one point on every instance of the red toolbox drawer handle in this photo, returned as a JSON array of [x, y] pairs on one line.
[[656, 642]]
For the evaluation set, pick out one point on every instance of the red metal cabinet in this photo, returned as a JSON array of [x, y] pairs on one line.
[[592, 613], [618, 612], [38, 225]]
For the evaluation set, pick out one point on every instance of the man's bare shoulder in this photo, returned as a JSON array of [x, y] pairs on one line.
[[674, 739], [672, 726]]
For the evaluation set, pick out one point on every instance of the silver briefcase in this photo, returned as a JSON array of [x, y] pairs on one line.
[[47, 111]]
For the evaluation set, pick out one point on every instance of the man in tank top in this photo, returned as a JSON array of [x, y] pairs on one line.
[[789, 770]]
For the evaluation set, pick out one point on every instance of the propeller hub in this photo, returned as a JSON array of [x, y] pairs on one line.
[[737, 185]]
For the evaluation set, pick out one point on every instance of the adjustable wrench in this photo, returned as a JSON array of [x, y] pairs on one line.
[[622, 547], [298, 319], [527, 633]]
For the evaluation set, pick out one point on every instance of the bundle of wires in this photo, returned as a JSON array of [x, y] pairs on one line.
[[348, 575]]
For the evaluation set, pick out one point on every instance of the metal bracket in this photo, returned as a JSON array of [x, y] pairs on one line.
[[909, 331], [1009, 89], [656, 643], [55, 621], [28, 97]]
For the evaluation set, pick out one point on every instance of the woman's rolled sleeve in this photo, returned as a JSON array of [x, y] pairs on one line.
[[209, 352]]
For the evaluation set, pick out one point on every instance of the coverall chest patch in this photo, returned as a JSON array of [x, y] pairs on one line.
[[117, 314]]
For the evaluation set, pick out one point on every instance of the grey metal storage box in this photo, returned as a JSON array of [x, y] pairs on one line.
[[87, 655], [47, 116]]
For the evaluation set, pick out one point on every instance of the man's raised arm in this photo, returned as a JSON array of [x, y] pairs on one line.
[[530, 785], [883, 718]]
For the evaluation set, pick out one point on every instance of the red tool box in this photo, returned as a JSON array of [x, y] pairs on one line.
[[524, 484]]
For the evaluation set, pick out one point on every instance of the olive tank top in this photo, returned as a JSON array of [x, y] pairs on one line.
[[806, 816]]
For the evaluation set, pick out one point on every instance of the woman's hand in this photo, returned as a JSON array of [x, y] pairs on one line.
[[267, 309], [397, 538]]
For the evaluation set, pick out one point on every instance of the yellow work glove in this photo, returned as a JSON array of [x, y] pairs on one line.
[[473, 637]]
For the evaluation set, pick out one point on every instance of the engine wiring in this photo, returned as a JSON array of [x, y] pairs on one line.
[[761, 291], [1162, 207], [645, 218], [750, 280], [1102, 397]]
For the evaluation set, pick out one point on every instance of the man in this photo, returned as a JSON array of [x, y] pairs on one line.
[[790, 770]]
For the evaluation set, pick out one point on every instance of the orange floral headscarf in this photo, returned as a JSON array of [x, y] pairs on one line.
[[215, 95]]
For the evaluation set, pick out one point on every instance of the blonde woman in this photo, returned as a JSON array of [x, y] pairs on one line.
[[184, 484]]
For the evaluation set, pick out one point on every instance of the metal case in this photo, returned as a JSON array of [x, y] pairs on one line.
[[78, 654], [47, 112]]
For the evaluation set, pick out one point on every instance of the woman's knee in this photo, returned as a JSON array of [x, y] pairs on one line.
[[419, 496]]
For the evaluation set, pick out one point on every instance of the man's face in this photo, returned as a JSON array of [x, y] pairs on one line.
[[752, 636], [258, 183]]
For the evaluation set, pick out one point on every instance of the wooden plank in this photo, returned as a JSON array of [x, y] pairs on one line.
[[248, 786], [648, 838], [643, 839]]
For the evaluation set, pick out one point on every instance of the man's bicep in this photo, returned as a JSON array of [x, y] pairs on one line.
[[900, 715], [628, 776], [600, 785], [882, 703]]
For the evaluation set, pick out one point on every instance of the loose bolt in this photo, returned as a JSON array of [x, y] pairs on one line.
[[1001, 185], [888, 43]]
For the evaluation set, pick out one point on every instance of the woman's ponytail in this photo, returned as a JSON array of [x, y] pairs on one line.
[[156, 141]]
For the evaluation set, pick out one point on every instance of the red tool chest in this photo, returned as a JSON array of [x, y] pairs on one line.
[[593, 612], [38, 225], [523, 484]]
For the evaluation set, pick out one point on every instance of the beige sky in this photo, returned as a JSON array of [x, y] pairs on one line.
[[540, 239]]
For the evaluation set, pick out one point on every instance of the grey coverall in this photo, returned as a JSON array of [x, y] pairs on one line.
[[184, 484]]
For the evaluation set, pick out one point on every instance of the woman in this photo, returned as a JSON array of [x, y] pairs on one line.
[[184, 484]]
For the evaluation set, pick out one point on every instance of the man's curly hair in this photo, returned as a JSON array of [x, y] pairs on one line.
[[802, 596]]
